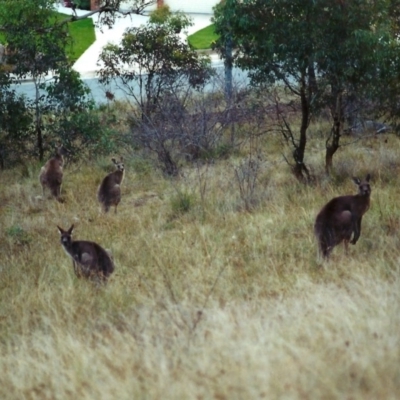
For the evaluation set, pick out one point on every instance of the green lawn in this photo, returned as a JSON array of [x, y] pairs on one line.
[[83, 35], [203, 38]]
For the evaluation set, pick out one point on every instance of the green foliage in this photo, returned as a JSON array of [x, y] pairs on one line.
[[84, 133], [81, 32], [66, 114], [67, 92], [163, 16], [36, 41], [160, 15], [204, 38], [182, 202], [82, 4], [160, 56], [15, 120], [73, 119], [276, 42]]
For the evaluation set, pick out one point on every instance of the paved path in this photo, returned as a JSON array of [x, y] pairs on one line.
[[87, 66]]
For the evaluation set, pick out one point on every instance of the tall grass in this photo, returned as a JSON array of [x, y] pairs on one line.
[[207, 300]]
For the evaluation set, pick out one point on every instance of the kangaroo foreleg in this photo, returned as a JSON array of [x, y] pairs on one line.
[[356, 231]]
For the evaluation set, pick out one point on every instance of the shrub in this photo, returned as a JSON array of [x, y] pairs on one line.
[[182, 202]]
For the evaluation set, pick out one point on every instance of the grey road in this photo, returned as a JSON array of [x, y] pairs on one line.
[[98, 91]]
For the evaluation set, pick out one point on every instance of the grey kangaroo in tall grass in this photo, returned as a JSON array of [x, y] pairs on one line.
[[51, 174], [89, 259], [109, 192], [341, 218]]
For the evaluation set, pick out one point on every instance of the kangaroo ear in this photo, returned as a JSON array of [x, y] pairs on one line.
[[114, 160], [70, 229], [356, 180], [122, 159], [368, 177], [61, 230]]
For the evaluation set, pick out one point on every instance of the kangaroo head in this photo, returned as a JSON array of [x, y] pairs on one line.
[[66, 236], [119, 164], [364, 188]]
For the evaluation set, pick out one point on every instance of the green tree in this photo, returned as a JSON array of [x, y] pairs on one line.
[[152, 64], [348, 73], [153, 57], [386, 93], [73, 118], [15, 120], [36, 46], [318, 50]]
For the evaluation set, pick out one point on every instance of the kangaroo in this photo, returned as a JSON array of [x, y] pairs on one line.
[[341, 218], [109, 192], [88, 258], [51, 174]]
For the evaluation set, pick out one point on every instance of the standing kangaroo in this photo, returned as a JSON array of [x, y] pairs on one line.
[[51, 174], [88, 258], [109, 192], [341, 218]]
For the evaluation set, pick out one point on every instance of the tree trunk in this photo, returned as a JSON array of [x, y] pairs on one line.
[[1, 159], [228, 64], [300, 170], [333, 141], [40, 141], [38, 123]]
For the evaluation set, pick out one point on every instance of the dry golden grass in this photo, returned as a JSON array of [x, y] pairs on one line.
[[207, 301]]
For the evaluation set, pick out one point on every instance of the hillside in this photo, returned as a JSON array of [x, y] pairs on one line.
[[207, 300]]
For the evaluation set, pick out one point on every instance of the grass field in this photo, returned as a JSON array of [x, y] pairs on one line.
[[83, 35], [207, 301], [203, 38]]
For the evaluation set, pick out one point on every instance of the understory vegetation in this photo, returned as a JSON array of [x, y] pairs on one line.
[[210, 298]]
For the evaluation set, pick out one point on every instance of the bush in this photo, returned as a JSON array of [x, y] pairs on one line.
[[84, 133], [15, 121], [182, 202]]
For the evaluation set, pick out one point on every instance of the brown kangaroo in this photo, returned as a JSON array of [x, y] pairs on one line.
[[109, 192], [341, 218], [88, 258], [51, 174]]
